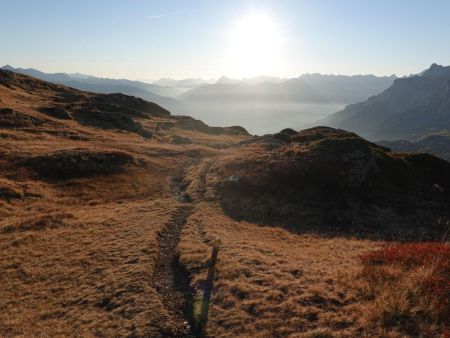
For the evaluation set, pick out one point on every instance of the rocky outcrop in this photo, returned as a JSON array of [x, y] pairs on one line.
[[57, 112], [12, 119], [7, 78], [78, 163]]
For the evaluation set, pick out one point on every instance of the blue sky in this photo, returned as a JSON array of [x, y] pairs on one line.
[[140, 39]]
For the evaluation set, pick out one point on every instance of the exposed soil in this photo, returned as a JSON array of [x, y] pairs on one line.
[[170, 278]]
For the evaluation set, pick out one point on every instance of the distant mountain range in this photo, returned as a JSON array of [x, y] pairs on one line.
[[414, 110], [411, 108], [266, 104], [184, 84], [308, 88], [263, 104], [250, 81]]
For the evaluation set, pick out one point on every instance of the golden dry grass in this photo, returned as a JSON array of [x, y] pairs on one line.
[[78, 256], [272, 283], [407, 286], [88, 276]]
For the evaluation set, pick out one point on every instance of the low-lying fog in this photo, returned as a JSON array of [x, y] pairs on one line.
[[261, 118]]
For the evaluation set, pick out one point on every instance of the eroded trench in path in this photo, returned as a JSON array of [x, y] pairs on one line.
[[170, 278]]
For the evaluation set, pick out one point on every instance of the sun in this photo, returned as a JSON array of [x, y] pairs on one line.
[[255, 44]]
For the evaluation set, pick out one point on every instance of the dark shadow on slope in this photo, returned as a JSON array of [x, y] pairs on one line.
[[76, 163], [335, 183]]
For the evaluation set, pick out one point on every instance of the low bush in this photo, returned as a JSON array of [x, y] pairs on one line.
[[409, 285]]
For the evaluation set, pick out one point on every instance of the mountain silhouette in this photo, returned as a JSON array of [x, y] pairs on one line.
[[413, 107]]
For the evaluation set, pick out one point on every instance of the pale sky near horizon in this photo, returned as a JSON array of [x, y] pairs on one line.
[[140, 39]]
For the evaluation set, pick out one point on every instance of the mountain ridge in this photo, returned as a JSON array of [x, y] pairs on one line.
[[409, 109], [281, 100], [307, 88]]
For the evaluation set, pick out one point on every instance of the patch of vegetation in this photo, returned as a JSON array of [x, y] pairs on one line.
[[10, 118], [410, 288], [110, 120], [9, 193], [9, 190], [320, 133], [37, 224], [79, 163], [57, 112], [271, 282]]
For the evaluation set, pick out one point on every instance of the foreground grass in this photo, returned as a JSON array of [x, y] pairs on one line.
[[273, 283]]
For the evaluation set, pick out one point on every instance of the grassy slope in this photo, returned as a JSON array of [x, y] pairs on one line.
[[78, 255], [273, 283]]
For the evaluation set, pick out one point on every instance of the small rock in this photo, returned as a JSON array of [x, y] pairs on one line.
[[232, 178]]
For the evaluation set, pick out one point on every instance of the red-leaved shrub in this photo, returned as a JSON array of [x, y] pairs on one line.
[[409, 257]]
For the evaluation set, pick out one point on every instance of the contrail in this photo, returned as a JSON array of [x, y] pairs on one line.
[[153, 17]]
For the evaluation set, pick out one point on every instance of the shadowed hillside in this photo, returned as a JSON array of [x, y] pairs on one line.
[[330, 180]]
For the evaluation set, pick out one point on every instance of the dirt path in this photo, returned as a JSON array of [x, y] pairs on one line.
[[171, 280]]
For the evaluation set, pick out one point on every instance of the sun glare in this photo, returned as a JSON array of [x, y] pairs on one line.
[[254, 45]]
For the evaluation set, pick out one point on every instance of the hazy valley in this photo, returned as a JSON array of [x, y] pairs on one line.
[[393, 112], [261, 104]]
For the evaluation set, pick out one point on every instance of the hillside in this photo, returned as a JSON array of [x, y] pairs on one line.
[[330, 180], [162, 95], [110, 207], [411, 108]]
